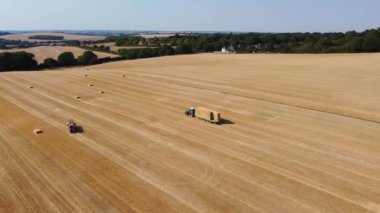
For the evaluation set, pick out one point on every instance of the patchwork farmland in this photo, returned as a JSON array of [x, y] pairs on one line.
[[300, 134]]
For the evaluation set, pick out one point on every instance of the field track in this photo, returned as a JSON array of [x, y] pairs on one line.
[[301, 134]]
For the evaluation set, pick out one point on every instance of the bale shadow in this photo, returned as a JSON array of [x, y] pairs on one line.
[[225, 122], [80, 129]]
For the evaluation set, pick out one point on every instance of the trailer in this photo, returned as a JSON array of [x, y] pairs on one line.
[[205, 114]]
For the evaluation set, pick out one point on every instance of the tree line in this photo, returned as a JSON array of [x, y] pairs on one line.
[[146, 52], [47, 37], [126, 40], [99, 48], [349, 42], [11, 44], [11, 61], [17, 61]]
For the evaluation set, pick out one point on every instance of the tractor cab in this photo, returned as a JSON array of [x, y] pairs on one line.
[[190, 112], [72, 126]]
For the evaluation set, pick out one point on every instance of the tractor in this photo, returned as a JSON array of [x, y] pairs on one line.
[[72, 126]]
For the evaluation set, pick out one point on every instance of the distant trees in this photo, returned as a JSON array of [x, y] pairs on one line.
[[137, 53], [74, 43], [66, 59], [166, 50], [87, 58], [349, 42], [100, 48], [128, 40], [50, 63], [10, 61], [146, 52], [47, 37], [371, 41], [129, 53], [9, 44], [185, 48]]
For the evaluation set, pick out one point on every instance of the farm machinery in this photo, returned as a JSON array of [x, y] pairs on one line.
[[73, 127], [204, 114]]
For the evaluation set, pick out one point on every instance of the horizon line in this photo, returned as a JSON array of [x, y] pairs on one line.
[[181, 31]]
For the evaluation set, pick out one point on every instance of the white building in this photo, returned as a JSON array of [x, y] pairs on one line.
[[229, 49]]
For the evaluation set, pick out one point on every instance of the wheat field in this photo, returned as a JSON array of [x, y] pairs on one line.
[[300, 134]]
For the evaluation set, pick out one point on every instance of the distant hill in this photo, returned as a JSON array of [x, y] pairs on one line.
[[3, 33], [66, 36]]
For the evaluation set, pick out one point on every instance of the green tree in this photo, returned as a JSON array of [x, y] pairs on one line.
[[17, 61], [354, 45], [50, 63], [166, 50], [184, 49], [87, 58], [371, 42], [147, 53], [367, 41], [323, 44], [66, 59], [269, 47], [129, 53]]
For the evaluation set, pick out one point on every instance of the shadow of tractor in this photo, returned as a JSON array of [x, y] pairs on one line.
[[225, 122]]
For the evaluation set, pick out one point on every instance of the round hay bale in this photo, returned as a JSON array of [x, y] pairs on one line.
[[90, 85], [101, 92], [77, 97]]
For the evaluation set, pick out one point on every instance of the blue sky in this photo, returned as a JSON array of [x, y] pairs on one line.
[[192, 15]]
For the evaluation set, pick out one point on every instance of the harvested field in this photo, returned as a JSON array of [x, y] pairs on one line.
[[301, 134], [42, 53], [67, 36], [115, 48]]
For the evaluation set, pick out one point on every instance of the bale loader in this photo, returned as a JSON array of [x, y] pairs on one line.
[[204, 114]]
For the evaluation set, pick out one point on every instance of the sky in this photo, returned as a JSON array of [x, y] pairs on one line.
[[191, 15]]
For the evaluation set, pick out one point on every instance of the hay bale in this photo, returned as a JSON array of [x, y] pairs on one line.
[[85, 75], [77, 97], [101, 92], [90, 85], [207, 114], [31, 87], [38, 131], [123, 76]]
